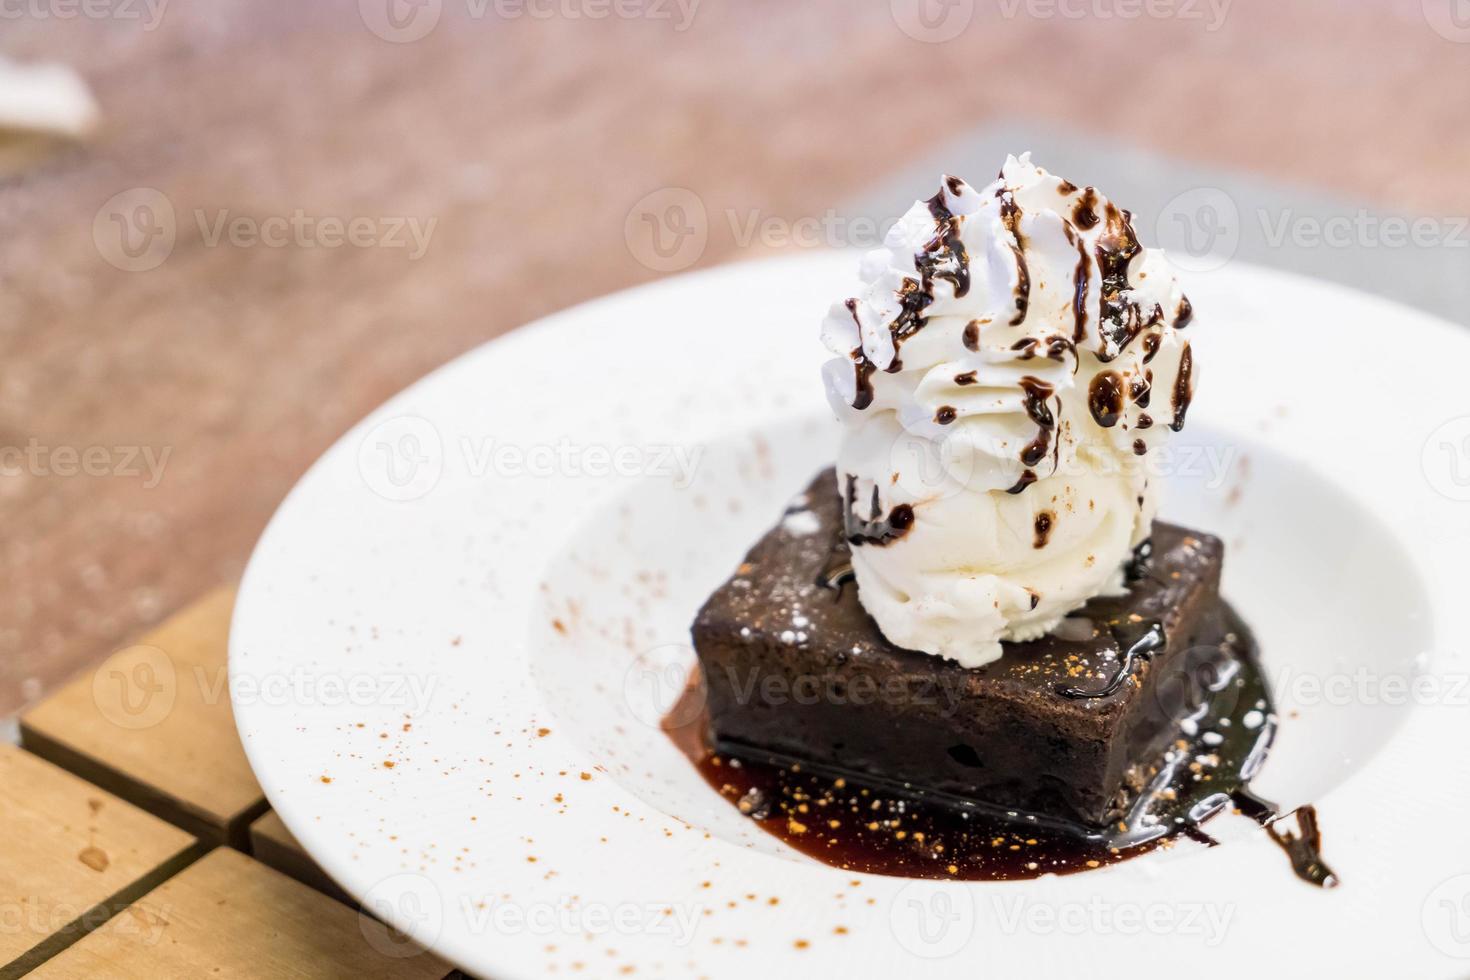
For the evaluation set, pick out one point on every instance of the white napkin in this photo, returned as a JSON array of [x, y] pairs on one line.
[[45, 98]]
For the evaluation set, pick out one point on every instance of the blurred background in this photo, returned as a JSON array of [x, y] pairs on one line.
[[231, 229]]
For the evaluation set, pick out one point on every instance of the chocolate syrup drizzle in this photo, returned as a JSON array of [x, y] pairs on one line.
[[837, 572], [1139, 564], [1150, 346], [875, 529], [862, 367], [1043, 524], [1084, 212], [913, 300], [1028, 477], [1122, 320], [1141, 645], [1184, 314], [1010, 216], [1137, 644], [972, 335], [1038, 409], [1105, 398], [1303, 849], [1023, 286], [1183, 388], [1140, 389], [1058, 348], [944, 257], [1079, 294]]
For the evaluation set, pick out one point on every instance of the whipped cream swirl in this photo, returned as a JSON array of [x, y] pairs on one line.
[[1014, 355]]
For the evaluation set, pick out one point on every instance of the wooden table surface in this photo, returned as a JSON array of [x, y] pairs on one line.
[[527, 140]]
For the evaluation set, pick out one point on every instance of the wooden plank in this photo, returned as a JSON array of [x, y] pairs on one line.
[[70, 856], [153, 724], [273, 844], [230, 916]]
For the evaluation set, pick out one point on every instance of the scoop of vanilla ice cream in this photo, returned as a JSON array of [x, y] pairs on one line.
[[1015, 355]]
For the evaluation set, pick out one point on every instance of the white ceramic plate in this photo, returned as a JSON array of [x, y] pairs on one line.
[[454, 641]]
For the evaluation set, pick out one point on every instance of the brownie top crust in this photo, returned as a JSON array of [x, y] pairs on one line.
[[776, 597]]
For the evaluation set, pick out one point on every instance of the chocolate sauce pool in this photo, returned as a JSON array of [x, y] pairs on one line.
[[858, 824]]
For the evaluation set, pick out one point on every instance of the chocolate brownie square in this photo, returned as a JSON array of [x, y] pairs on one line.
[[1068, 727]]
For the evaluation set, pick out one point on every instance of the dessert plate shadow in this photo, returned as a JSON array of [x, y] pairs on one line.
[[456, 639]]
